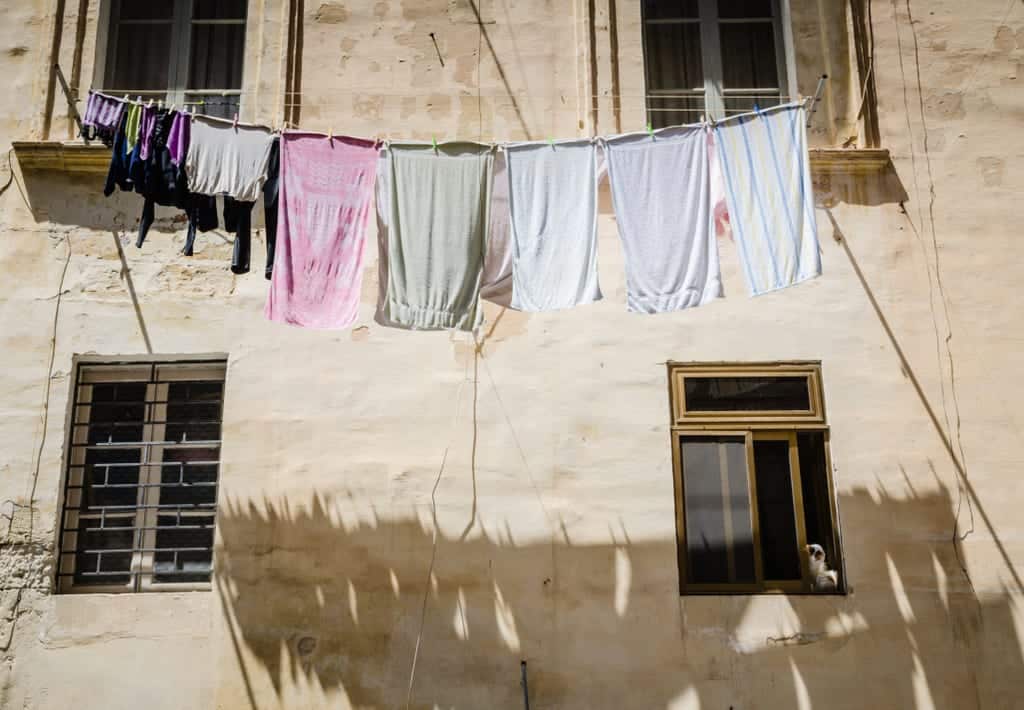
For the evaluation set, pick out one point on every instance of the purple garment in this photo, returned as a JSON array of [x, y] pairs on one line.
[[146, 125], [177, 140], [102, 112]]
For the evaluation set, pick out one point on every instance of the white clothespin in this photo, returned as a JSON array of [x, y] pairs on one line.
[[330, 134], [234, 121], [138, 100], [150, 104], [193, 112], [174, 107], [126, 99]]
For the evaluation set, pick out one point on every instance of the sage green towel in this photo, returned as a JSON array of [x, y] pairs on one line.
[[434, 210]]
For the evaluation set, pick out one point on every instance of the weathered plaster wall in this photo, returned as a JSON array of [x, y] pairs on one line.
[[554, 513]]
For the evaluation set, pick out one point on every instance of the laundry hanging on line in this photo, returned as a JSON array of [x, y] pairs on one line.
[[462, 221]]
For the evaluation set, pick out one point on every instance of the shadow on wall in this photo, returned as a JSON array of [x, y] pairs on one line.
[[320, 605]]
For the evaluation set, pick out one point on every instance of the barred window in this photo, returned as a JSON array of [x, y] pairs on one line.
[[140, 490]]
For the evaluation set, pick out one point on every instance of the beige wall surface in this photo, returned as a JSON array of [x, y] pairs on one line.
[[549, 535]]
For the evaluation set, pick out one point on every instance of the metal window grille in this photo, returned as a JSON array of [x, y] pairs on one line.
[[140, 489]]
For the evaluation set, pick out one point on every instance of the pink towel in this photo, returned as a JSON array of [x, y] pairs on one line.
[[326, 193]]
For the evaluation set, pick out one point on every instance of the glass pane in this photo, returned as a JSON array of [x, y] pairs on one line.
[[110, 478], [141, 58], [135, 10], [745, 102], [748, 56], [673, 57], [675, 111], [185, 548], [744, 8], [723, 394], [671, 9], [193, 411], [188, 477], [216, 59], [814, 486], [220, 106], [218, 10], [780, 558], [116, 412], [93, 565], [716, 500]]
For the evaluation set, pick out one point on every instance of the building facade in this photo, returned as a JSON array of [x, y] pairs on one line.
[[202, 508]]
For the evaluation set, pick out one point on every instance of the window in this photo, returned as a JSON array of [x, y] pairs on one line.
[[140, 489], [712, 56], [752, 479], [177, 51]]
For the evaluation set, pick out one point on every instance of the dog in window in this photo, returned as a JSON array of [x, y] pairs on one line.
[[822, 578]]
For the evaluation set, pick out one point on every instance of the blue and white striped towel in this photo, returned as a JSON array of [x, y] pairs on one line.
[[764, 165]]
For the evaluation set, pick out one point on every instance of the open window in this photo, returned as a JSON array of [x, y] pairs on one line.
[[177, 51], [713, 57], [754, 497]]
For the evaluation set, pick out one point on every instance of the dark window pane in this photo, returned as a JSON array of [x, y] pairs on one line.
[[218, 10], [671, 9], [185, 548], [719, 538], [814, 487], [748, 56], [110, 478], [220, 106], [744, 8], [188, 477], [216, 58], [135, 10], [745, 102], [673, 57], [92, 564], [780, 558], [142, 58], [674, 111], [723, 394], [116, 412], [193, 411]]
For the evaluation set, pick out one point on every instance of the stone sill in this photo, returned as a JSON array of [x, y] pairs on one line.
[[72, 157], [77, 157]]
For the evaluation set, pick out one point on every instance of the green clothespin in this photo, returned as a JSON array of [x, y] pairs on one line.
[[650, 130], [434, 141], [551, 142]]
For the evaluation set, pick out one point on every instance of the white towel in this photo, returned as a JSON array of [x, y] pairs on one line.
[[767, 178], [433, 207], [662, 198], [496, 283], [552, 203]]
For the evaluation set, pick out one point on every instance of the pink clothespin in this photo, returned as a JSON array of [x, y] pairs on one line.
[[234, 121]]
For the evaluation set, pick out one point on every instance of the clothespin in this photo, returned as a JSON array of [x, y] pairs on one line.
[[650, 130], [138, 100], [434, 141], [174, 107], [126, 99], [234, 121], [150, 104], [193, 112], [330, 134], [160, 103], [757, 109], [551, 142]]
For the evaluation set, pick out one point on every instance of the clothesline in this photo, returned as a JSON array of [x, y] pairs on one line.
[[513, 222]]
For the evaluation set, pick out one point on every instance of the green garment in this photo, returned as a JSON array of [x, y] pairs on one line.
[[131, 127], [435, 211]]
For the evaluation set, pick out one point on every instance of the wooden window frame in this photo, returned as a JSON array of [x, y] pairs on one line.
[[92, 371], [711, 57], [181, 25], [751, 427]]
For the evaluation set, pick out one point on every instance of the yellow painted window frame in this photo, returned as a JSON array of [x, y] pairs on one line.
[[752, 426]]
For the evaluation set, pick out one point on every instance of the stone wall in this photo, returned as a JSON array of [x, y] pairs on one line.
[[551, 532]]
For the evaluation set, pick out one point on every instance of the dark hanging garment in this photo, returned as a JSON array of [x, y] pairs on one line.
[[117, 173], [202, 216], [156, 178], [270, 189], [238, 221]]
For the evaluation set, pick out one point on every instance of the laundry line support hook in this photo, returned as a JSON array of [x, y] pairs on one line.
[[816, 98]]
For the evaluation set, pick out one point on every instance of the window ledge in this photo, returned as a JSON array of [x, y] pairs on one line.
[[70, 157], [854, 161]]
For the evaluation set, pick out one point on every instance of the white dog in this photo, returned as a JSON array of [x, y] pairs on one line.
[[824, 579]]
